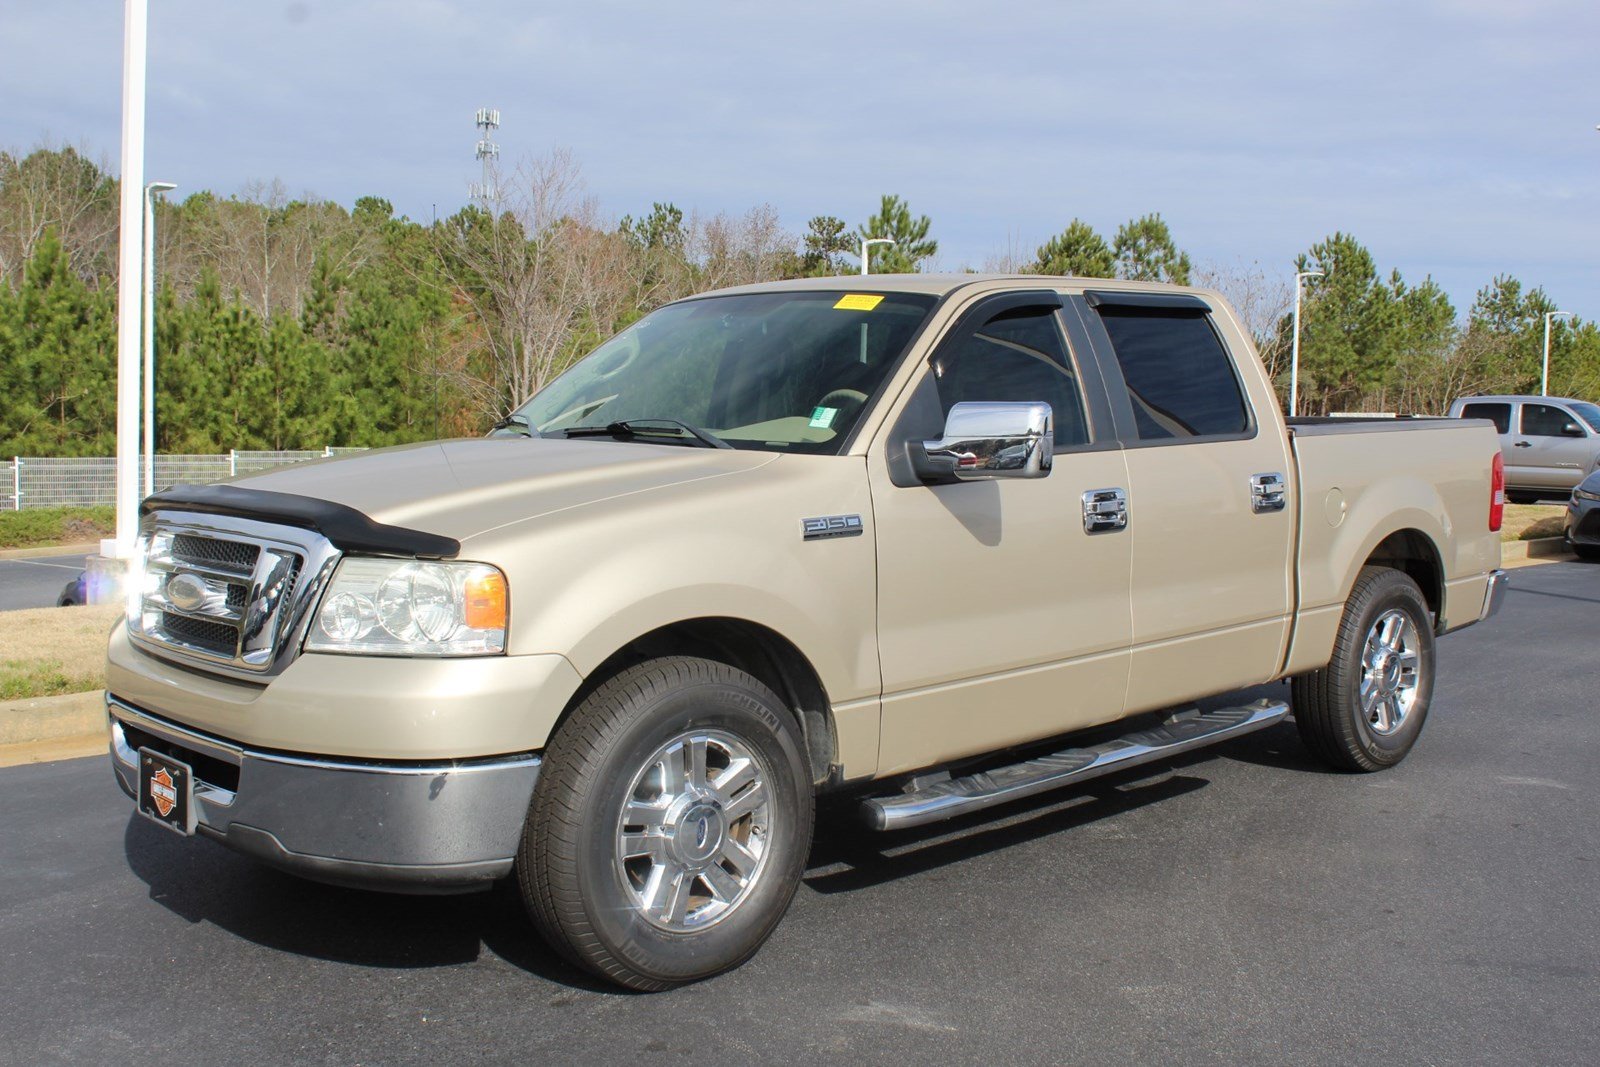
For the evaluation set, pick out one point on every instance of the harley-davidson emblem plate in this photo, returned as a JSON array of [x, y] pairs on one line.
[[166, 791]]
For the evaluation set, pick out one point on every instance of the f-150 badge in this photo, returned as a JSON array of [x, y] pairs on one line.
[[826, 526]]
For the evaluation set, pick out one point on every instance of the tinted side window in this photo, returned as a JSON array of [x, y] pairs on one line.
[[1016, 356], [1181, 382], [1542, 420], [1499, 414]]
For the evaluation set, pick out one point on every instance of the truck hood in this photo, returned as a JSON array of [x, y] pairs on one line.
[[466, 487]]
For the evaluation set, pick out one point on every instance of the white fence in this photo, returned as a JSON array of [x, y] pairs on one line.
[[38, 482]]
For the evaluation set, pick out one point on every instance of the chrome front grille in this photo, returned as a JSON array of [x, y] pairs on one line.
[[237, 556], [229, 594], [218, 639]]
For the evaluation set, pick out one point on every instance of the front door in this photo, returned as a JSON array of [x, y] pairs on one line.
[[1551, 451], [999, 619]]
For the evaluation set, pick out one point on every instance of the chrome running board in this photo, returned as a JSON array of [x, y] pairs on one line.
[[974, 792]]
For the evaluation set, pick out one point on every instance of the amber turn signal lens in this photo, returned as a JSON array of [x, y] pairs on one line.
[[486, 601]]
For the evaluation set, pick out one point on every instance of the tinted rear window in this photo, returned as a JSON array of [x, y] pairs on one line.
[[1499, 414], [1181, 382]]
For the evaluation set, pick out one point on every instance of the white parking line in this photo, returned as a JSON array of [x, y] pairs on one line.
[[37, 563]]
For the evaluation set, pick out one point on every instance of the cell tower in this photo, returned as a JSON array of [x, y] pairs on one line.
[[485, 191]]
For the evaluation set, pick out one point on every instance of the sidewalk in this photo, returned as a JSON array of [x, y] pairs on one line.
[[44, 729], [81, 548]]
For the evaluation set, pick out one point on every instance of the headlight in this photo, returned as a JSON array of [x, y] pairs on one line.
[[390, 607], [139, 581], [1583, 494]]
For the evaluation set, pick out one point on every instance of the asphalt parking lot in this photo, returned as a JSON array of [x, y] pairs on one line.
[[1249, 908], [36, 583]]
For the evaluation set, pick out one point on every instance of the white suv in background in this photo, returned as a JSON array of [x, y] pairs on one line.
[[1550, 443]]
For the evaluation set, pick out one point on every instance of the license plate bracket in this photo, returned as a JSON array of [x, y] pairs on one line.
[[166, 791]]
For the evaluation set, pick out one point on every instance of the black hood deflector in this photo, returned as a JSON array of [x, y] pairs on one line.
[[347, 528]]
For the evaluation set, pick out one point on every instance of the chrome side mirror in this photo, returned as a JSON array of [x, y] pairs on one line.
[[988, 440]]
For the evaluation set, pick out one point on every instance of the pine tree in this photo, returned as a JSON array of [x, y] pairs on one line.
[[827, 244], [1145, 252], [1077, 252], [912, 245]]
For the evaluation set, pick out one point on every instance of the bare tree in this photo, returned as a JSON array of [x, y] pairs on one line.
[[58, 189], [525, 275], [1015, 258], [264, 246], [739, 249], [1475, 362], [1262, 299]]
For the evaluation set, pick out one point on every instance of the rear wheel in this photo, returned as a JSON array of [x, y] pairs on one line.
[[670, 825], [1589, 552], [1365, 709]]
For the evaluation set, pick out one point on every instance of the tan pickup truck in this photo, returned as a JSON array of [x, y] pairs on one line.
[[897, 538]]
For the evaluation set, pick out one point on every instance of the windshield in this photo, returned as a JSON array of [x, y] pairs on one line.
[[777, 371], [1588, 413]]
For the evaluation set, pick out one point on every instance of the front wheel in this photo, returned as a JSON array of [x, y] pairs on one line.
[[670, 825], [1365, 709]]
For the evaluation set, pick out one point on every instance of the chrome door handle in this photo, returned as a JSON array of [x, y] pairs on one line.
[[1105, 511], [1268, 492]]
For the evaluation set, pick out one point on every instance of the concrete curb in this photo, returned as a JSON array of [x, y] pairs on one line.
[[53, 751], [1538, 548], [76, 715], [37, 551]]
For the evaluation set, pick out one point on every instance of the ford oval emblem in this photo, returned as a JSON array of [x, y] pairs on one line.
[[186, 592], [700, 831]]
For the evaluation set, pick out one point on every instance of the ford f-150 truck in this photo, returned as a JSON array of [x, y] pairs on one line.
[[902, 538]]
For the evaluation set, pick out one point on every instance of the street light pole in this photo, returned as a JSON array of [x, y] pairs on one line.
[[1294, 359], [868, 242], [1544, 373], [149, 318], [135, 23]]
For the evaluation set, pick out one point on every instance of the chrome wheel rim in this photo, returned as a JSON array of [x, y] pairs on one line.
[[693, 836], [1391, 672]]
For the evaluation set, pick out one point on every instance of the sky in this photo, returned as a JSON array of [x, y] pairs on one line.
[[1454, 139]]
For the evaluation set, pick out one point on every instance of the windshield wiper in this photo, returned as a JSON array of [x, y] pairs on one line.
[[639, 428], [514, 422]]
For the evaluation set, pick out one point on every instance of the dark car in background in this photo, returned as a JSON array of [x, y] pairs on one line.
[[1583, 518], [75, 592]]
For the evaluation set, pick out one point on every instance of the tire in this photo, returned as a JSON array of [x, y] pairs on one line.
[[600, 884], [1588, 552], [1328, 703]]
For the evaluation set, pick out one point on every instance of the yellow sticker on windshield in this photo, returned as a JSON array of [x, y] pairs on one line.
[[858, 302]]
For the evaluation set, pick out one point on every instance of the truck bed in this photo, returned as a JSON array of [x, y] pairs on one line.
[[1362, 480]]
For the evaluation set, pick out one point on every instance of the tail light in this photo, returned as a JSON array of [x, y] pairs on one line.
[[1497, 492]]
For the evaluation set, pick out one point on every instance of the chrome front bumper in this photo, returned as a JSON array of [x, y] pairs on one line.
[[434, 827]]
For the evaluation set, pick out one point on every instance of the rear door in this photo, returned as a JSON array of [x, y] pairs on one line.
[[1210, 507], [1496, 411], [1551, 449]]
